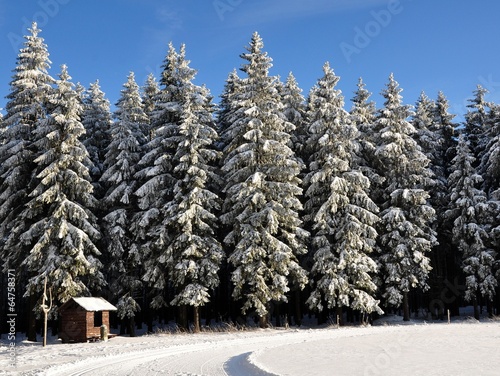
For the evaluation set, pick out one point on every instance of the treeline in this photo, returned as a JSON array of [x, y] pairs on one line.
[[268, 205]]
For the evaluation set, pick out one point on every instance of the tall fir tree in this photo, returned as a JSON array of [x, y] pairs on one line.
[[150, 93], [441, 150], [122, 156], [228, 108], [342, 214], [193, 253], [26, 107], [468, 208], [363, 113], [262, 190], [185, 249], [490, 169], [423, 121], [96, 118], [447, 128], [156, 181], [475, 123], [406, 237], [429, 139], [159, 173], [60, 230], [294, 109], [490, 161]]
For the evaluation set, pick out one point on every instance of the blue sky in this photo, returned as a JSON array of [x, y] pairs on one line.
[[447, 45]]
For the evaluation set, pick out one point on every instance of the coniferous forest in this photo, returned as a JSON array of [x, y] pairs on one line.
[[265, 205]]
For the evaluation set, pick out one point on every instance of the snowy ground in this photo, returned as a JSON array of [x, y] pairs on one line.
[[464, 348]]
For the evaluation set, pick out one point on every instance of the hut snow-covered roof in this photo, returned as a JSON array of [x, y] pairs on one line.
[[93, 304]]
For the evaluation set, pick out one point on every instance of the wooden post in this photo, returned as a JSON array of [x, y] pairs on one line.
[[104, 333], [45, 310]]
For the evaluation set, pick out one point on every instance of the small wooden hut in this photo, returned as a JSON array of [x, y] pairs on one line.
[[81, 319]]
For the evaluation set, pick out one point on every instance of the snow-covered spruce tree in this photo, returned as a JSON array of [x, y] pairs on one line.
[[150, 92], [434, 140], [440, 148], [405, 235], [429, 140], [81, 91], [489, 169], [423, 122], [443, 123], [441, 151], [193, 253], [26, 107], [480, 129], [262, 188], [294, 110], [468, 206], [96, 118], [342, 215], [163, 195], [363, 111], [228, 106], [475, 123], [227, 109], [61, 230], [362, 115], [118, 179], [489, 166], [490, 162], [156, 181]]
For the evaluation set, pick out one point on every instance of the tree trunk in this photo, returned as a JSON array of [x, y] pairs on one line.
[[131, 323], [183, 321], [406, 307], [322, 316], [298, 312], [497, 300], [476, 309], [149, 318], [54, 327], [196, 314], [263, 322], [489, 308], [31, 318], [277, 312]]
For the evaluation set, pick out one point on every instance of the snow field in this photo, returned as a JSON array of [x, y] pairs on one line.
[[434, 349]]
